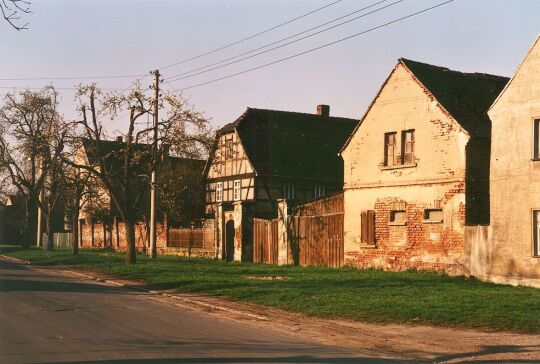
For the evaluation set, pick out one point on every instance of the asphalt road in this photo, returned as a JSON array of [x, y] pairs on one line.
[[47, 319]]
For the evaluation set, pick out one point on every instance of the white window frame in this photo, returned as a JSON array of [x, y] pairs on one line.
[[237, 187], [219, 191]]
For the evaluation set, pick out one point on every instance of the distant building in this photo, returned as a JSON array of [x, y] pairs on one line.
[[514, 252], [170, 170], [416, 169], [264, 156]]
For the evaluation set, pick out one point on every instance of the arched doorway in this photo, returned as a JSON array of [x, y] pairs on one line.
[[229, 241]]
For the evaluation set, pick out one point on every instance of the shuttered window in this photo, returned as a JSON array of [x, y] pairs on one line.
[[368, 227], [407, 146], [390, 149]]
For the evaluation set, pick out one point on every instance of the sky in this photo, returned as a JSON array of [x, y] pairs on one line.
[[90, 38]]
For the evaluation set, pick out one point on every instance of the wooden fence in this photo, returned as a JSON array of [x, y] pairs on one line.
[[265, 241], [314, 233], [190, 238], [316, 240]]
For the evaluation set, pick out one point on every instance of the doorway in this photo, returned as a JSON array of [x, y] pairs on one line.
[[229, 241]]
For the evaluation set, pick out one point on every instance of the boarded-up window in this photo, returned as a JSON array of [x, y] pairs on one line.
[[536, 233], [390, 153], [536, 142], [433, 215], [407, 146], [368, 227], [398, 216]]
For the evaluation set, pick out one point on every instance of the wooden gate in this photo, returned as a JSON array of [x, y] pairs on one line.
[[265, 241], [315, 232]]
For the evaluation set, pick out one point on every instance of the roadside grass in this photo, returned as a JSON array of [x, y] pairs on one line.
[[348, 293]]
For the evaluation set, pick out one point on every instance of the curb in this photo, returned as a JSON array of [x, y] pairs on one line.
[[14, 260], [155, 293]]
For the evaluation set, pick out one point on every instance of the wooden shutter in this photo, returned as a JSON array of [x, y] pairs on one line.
[[368, 227]]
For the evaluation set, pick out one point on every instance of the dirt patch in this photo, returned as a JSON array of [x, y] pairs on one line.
[[416, 342]]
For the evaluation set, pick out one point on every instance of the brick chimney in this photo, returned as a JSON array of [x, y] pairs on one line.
[[323, 110], [119, 139]]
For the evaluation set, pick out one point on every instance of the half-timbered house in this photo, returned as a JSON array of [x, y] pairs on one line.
[[264, 156]]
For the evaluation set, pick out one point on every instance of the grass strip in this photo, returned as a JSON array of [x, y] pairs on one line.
[[366, 295]]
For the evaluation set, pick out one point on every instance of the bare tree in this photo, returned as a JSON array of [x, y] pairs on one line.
[[12, 10], [123, 168], [31, 146]]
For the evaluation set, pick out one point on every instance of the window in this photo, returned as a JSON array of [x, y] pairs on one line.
[[368, 227], [390, 149], [236, 190], [536, 233], [219, 191], [433, 215], [288, 191], [398, 217], [229, 149], [407, 147], [536, 141], [319, 191]]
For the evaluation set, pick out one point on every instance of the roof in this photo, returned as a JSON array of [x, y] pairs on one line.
[[466, 96], [108, 147], [292, 144]]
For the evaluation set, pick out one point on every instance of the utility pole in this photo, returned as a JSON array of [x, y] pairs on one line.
[[40, 197], [153, 197]]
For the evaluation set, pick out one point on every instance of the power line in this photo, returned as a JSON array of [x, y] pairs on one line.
[[177, 77], [316, 48], [69, 78], [171, 65], [56, 88], [249, 37]]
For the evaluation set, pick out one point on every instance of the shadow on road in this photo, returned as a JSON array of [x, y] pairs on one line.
[[247, 359], [19, 279]]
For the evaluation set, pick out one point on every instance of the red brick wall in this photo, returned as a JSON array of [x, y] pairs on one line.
[[417, 244], [115, 236]]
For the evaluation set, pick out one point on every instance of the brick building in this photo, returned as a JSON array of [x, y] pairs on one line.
[[416, 169]]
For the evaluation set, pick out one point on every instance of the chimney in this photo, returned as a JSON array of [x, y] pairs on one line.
[[323, 110], [119, 139]]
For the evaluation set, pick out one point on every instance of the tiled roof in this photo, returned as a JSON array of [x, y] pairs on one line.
[[283, 143], [466, 96]]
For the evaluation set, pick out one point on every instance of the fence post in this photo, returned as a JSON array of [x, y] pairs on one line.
[[283, 238]]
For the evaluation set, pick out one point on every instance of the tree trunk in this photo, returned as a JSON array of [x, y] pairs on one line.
[[75, 232], [48, 231], [130, 243]]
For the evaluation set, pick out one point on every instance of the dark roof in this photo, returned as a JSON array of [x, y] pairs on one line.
[[292, 144], [109, 147], [466, 96]]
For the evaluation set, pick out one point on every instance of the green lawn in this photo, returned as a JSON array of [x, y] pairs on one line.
[[365, 295]]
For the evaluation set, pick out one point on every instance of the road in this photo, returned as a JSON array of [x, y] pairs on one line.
[[47, 318]]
